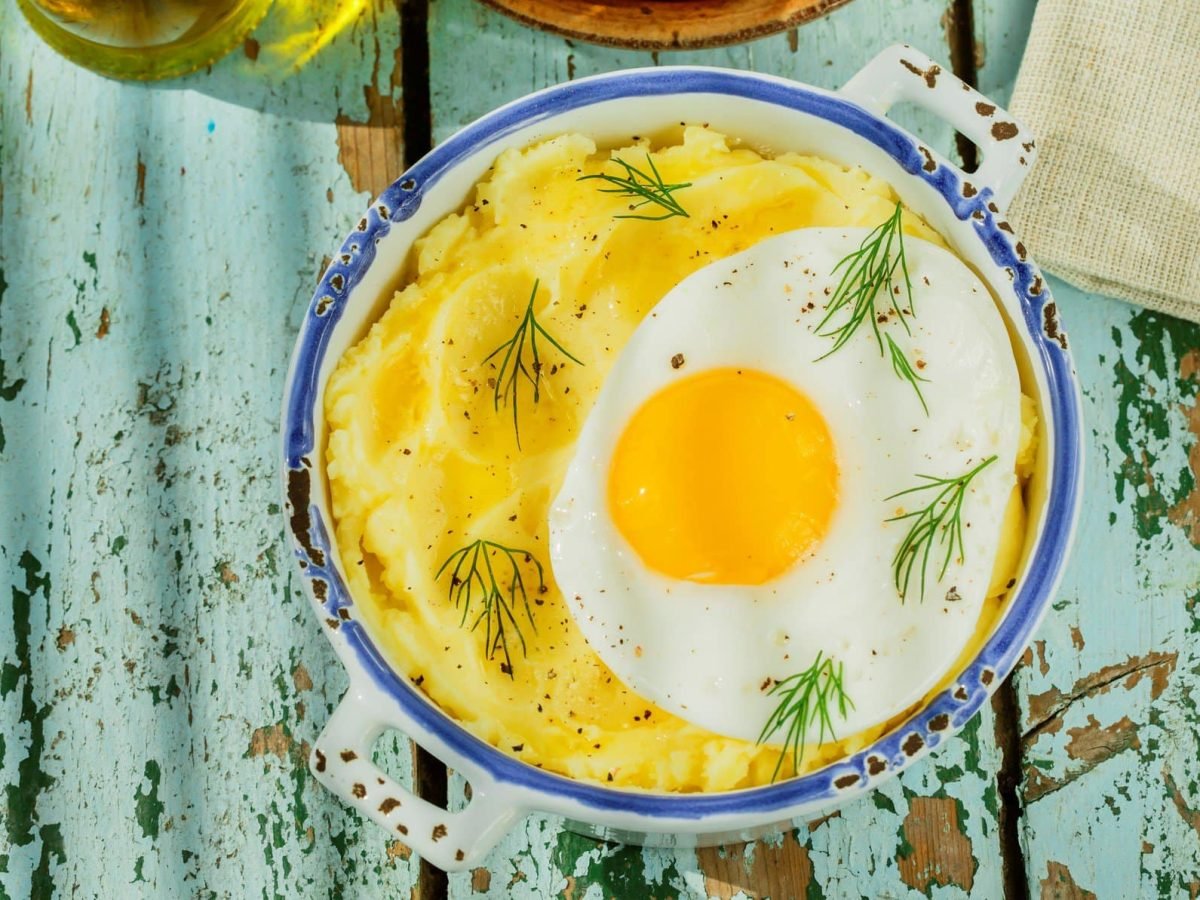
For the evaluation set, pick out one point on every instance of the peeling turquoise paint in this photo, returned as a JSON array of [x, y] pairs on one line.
[[43, 886], [904, 850], [165, 693], [74, 326], [149, 808], [21, 813], [8, 389], [1147, 379], [883, 802], [617, 871]]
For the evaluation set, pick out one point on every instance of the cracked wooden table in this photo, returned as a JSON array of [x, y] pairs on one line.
[[162, 675]]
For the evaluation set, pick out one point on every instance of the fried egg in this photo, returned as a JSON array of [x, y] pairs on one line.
[[725, 516]]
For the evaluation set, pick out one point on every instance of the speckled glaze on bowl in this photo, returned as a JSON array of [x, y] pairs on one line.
[[847, 126]]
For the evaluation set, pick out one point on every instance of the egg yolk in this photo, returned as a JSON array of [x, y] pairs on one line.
[[724, 477]]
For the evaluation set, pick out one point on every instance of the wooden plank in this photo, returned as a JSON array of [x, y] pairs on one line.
[[932, 828], [161, 675], [1110, 726], [371, 147], [519, 60], [1108, 691], [935, 828], [1001, 30]]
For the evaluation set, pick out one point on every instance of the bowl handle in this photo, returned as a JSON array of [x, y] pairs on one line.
[[900, 73], [341, 760]]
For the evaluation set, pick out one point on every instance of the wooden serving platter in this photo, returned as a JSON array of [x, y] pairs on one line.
[[665, 24]]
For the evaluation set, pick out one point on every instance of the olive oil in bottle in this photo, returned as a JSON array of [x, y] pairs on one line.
[[143, 39]]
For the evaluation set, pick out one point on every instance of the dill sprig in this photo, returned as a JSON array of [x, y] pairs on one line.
[[868, 272], [904, 370], [513, 366], [939, 521], [649, 187], [474, 576], [806, 699]]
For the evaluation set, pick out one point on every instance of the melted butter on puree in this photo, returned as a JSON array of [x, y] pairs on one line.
[[419, 464]]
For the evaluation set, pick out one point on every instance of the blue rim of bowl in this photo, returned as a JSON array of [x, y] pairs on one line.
[[951, 709]]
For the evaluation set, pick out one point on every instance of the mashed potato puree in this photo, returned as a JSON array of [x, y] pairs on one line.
[[420, 464]]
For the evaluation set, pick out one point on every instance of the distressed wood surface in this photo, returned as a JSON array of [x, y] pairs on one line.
[[933, 830], [161, 675], [1110, 732], [1001, 28]]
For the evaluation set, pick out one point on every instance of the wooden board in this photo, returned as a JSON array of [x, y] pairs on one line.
[[1110, 735], [1001, 28], [1108, 731], [672, 25], [161, 675]]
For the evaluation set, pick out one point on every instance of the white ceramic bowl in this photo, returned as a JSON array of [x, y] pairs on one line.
[[848, 126]]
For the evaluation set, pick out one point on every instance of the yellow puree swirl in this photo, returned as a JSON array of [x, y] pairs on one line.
[[419, 463]]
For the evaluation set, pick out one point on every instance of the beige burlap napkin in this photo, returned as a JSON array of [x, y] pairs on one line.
[[1111, 91]]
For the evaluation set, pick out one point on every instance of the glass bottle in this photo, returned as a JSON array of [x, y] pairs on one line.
[[143, 39]]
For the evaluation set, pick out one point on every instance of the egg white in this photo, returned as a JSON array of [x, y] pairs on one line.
[[706, 652]]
